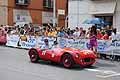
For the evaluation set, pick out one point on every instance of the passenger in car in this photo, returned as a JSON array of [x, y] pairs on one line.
[[55, 45]]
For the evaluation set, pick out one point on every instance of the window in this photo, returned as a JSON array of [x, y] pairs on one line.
[[48, 3], [22, 2]]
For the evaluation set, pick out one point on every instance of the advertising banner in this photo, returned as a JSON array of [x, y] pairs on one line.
[[12, 40], [23, 41], [28, 43]]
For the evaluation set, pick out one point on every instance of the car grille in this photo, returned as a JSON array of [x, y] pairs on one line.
[[88, 59]]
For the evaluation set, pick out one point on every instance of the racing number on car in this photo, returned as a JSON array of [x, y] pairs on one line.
[[44, 52], [53, 55]]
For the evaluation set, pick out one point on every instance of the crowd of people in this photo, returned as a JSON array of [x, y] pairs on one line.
[[92, 33], [78, 32]]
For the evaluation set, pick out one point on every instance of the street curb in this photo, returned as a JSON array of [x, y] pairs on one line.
[[17, 47]]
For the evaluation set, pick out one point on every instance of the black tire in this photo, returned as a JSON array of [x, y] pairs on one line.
[[53, 63], [67, 61], [88, 66], [33, 54]]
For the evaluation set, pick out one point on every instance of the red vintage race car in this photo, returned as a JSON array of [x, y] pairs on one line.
[[67, 56]]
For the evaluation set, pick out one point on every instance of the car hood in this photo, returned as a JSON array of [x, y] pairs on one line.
[[81, 52], [76, 50]]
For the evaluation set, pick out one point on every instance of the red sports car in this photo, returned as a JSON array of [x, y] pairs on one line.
[[3, 36], [67, 56]]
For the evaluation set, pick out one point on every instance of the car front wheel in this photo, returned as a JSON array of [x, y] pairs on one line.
[[33, 56]]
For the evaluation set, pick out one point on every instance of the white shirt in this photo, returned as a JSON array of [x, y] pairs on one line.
[[55, 46], [116, 36], [76, 34], [45, 46]]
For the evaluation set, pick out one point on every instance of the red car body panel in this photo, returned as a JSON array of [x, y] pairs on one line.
[[78, 55], [3, 36]]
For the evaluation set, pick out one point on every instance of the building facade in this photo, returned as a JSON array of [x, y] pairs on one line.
[[108, 10], [3, 12], [32, 11]]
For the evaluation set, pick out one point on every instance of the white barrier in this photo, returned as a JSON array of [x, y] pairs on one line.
[[103, 45], [12, 40], [31, 42]]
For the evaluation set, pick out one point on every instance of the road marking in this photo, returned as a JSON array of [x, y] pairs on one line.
[[107, 76], [104, 73]]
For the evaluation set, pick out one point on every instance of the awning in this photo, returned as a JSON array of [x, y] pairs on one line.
[[102, 7]]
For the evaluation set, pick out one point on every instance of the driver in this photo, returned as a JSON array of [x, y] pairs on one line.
[[46, 45]]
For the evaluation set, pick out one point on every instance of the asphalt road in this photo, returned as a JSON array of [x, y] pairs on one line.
[[15, 65]]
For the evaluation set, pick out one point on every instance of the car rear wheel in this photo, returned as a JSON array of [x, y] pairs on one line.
[[67, 61], [33, 56]]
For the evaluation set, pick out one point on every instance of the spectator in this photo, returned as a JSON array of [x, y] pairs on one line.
[[22, 31], [61, 33], [2, 27], [50, 33], [83, 34], [31, 31], [54, 32], [115, 35], [88, 33], [81, 30], [46, 31], [102, 32], [68, 31], [76, 33], [99, 34], [93, 39], [109, 30], [105, 37]]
